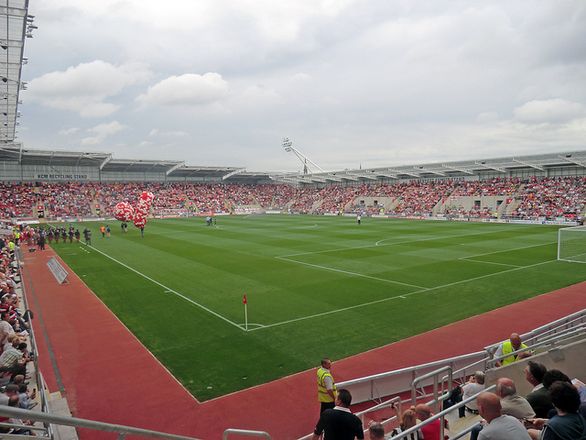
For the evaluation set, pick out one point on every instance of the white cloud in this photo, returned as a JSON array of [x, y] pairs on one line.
[[84, 88], [549, 111], [487, 117], [101, 132], [170, 133], [68, 131], [186, 90]]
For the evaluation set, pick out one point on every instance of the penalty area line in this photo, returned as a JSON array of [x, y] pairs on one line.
[[169, 290], [333, 269], [403, 296]]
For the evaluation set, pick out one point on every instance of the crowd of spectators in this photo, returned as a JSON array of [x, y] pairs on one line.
[[15, 355], [536, 197], [564, 196]]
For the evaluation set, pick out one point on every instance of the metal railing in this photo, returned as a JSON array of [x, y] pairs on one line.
[[121, 430], [557, 326], [441, 416], [386, 404], [377, 386], [435, 375], [553, 340], [41, 387], [246, 433]]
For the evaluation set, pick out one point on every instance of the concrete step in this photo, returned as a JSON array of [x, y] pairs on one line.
[[58, 406]]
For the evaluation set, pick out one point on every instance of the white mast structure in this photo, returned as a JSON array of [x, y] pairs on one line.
[[287, 145]]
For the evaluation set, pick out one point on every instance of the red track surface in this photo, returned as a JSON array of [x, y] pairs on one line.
[[109, 376]]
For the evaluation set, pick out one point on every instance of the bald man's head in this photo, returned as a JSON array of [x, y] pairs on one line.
[[505, 387], [489, 406], [515, 341]]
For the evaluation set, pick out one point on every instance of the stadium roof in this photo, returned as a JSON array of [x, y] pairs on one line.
[[14, 152], [15, 26], [443, 169]]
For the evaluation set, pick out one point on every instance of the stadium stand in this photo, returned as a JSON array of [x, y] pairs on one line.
[[546, 198]]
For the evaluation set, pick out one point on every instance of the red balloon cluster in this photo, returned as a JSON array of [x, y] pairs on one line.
[[142, 209], [124, 212]]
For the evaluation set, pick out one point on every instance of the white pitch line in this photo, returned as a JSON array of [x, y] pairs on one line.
[[348, 272], [440, 237], [180, 295], [488, 262], [511, 249], [317, 315]]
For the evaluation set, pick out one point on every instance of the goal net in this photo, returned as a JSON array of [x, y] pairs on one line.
[[572, 244]]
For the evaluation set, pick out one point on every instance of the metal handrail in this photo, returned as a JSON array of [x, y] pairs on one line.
[[413, 369], [441, 415], [555, 338], [570, 333], [44, 407], [436, 380], [246, 433], [385, 404], [19, 425], [564, 321], [122, 430]]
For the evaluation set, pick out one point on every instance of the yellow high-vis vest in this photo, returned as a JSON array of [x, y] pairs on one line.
[[508, 348], [322, 391]]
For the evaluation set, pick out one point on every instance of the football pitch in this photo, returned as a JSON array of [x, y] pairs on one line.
[[315, 287]]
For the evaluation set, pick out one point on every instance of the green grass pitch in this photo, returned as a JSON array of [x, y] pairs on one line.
[[316, 286]]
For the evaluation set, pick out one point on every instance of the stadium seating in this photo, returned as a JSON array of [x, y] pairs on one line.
[[536, 197]]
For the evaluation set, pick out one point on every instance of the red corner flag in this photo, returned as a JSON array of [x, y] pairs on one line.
[[244, 300]]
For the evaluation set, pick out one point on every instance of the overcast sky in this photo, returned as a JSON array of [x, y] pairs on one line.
[[351, 82]]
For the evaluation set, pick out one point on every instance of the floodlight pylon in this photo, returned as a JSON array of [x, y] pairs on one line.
[[287, 145]]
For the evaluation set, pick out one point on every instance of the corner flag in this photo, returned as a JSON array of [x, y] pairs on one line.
[[245, 302]]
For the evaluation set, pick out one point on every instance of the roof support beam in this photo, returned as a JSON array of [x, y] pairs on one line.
[[363, 176], [333, 178], [425, 170], [105, 161], [173, 168], [449, 167], [404, 172], [490, 167], [568, 158], [528, 164], [233, 173]]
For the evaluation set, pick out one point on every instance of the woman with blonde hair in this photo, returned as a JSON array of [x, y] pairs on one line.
[[407, 419]]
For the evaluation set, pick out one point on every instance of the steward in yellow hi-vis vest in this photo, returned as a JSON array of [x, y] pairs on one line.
[[326, 388], [507, 347]]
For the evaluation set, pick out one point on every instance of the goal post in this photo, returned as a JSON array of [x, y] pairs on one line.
[[572, 244]]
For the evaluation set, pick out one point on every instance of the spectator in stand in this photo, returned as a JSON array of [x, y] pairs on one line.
[[498, 426], [539, 397], [567, 423], [339, 423], [5, 330], [431, 431], [407, 419], [474, 386], [506, 348], [511, 403], [14, 359], [552, 376], [376, 431]]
